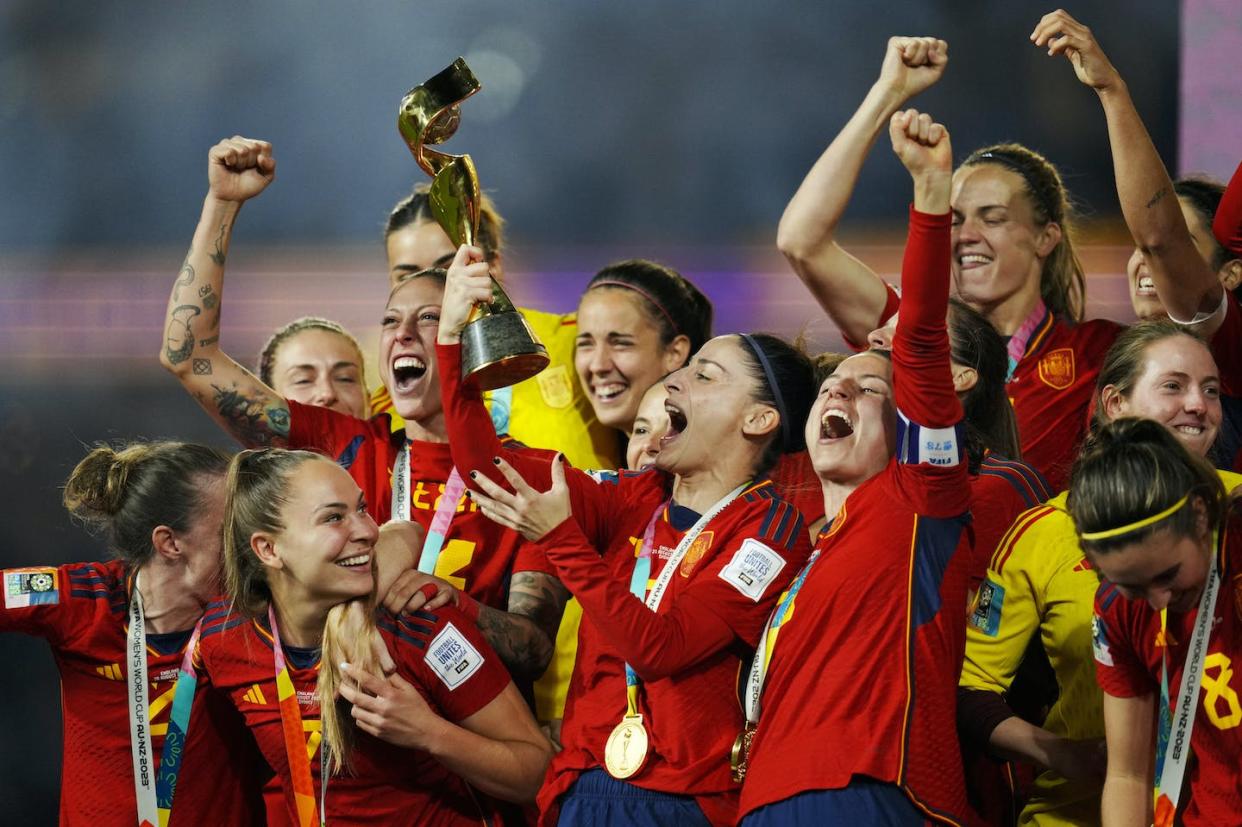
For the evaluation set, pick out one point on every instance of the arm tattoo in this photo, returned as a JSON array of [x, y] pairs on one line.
[[1158, 197], [218, 255], [185, 278], [202, 367], [207, 342], [179, 341], [210, 299], [246, 418], [525, 635]]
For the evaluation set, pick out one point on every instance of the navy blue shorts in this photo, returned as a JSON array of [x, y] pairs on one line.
[[864, 801], [597, 798]]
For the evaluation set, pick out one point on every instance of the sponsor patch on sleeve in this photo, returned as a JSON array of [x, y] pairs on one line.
[[752, 569], [1099, 642], [31, 587], [986, 615], [919, 445], [452, 658]]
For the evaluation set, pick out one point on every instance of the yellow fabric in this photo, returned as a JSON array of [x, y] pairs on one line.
[[551, 411], [1048, 589]]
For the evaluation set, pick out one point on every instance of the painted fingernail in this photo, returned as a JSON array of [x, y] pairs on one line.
[[344, 665], [496, 460], [473, 475]]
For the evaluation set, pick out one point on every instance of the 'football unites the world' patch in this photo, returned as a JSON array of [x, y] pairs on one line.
[[31, 587], [451, 656], [753, 568]]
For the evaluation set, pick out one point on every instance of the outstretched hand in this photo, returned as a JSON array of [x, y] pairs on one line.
[[1063, 35], [467, 284], [912, 64], [239, 168], [529, 512]]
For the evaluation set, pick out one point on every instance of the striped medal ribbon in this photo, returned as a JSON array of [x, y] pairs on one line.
[[445, 509], [295, 739]]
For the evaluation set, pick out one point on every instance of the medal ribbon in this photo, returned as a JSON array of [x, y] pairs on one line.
[[1183, 716], [445, 509], [295, 739], [642, 572], [1018, 341], [767, 642], [154, 789]]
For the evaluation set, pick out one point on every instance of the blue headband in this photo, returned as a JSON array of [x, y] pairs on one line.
[[776, 390]]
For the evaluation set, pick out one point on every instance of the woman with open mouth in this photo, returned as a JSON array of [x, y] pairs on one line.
[[406, 475], [702, 539], [1040, 588], [1167, 625], [440, 720], [850, 700], [130, 753]]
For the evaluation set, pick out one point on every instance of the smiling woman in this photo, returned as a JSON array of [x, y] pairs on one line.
[[316, 362], [302, 554]]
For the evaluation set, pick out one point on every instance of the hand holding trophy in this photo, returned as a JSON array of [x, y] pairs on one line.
[[498, 347]]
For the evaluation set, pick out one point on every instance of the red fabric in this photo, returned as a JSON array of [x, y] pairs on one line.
[[487, 552], [86, 629], [1127, 634], [389, 785], [1226, 347], [863, 676], [892, 303], [691, 650], [1001, 491], [795, 478], [1227, 225]]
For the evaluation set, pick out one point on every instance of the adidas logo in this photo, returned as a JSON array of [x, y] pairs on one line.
[[111, 671], [255, 696]]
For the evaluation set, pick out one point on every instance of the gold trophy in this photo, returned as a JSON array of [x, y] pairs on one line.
[[498, 347]]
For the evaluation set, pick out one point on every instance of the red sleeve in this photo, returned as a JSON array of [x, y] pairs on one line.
[[1226, 346], [715, 608], [1227, 225], [930, 458], [329, 432], [1119, 668], [449, 660], [54, 603], [472, 438], [892, 303]]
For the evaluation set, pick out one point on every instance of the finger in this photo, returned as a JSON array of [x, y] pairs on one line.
[[925, 123], [489, 510], [520, 486], [918, 55], [442, 598], [491, 489], [367, 719], [364, 680], [936, 134], [381, 654], [403, 594], [466, 254], [1060, 44], [558, 474]]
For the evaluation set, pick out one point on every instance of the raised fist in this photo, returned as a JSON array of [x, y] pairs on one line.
[[239, 168]]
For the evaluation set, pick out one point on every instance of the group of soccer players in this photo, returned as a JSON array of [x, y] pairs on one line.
[[982, 571]]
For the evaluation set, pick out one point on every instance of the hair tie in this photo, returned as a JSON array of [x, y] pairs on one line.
[[776, 391], [1137, 524], [640, 291]]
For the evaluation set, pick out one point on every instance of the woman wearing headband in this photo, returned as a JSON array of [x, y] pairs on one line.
[[1013, 260], [434, 715], [140, 743], [1167, 626], [676, 568], [407, 474], [850, 700], [1039, 590]]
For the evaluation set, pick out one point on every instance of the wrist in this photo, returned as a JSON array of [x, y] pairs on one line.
[[886, 100], [1114, 89], [468, 606], [220, 207], [448, 337], [435, 736]]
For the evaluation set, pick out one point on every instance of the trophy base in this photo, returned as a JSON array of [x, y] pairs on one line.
[[499, 350]]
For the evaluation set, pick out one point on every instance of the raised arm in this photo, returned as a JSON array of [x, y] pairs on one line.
[[237, 169], [1185, 282], [852, 294]]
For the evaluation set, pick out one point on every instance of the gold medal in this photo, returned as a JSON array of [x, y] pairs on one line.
[[626, 750], [739, 756]]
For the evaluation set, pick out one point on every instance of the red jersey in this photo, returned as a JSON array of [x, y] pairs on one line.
[[478, 555], [441, 654], [1128, 648], [81, 609], [1002, 490], [798, 483], [864, 666], [1226, 347], [1052, 390], [687, 653]]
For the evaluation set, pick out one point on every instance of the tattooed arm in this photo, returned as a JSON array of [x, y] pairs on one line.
[[238, 169], [525, 635]]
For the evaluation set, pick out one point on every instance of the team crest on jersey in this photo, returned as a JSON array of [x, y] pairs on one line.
[[986, 614], [452, 657], [1057, 368], [695, 553], [554, 386], [1099, 642], [31, 587], [752, 569]]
